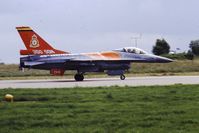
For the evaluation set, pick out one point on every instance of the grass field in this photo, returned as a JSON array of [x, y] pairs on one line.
[[155, 109], [180, 67]]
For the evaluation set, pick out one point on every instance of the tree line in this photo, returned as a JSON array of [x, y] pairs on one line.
[[162, 47]]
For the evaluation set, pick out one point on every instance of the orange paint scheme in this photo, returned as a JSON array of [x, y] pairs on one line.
[[26, 52], [35, 44], [111, 55], [97, 56], [104, 55]]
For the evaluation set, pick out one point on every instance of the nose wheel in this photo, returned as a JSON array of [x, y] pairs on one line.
[[79, 77], [122, 77]]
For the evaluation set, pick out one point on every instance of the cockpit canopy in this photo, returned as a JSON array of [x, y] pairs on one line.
[[132, 50]]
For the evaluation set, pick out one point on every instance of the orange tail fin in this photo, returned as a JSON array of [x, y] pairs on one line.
[[35, 44]]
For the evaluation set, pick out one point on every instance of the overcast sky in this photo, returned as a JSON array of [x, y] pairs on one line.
[[97, 25]]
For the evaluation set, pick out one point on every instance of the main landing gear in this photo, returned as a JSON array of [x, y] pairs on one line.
[[79, 77], [122, 77]]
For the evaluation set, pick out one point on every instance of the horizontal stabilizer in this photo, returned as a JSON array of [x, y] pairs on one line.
[[28, 63]]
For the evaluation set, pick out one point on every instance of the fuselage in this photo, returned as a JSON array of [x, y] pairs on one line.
[[90, 62]]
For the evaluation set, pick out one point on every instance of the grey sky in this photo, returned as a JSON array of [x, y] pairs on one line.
[[96, 25]]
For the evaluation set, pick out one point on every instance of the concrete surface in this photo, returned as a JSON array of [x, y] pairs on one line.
[[94, 82]]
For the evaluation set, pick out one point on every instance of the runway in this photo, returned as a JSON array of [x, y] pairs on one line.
[[95, 82]]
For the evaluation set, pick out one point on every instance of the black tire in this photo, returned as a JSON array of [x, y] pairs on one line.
[[79, 77], [122, 77]]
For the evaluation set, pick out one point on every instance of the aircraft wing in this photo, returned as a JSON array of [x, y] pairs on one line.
[[104, 60]]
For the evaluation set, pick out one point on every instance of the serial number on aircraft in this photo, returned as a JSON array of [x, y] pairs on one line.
[[43, 51]]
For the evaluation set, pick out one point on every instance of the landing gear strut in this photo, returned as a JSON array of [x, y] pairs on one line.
[[122, 77], [79, 77]]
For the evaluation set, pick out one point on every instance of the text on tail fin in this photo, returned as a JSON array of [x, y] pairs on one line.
[[35, 44]]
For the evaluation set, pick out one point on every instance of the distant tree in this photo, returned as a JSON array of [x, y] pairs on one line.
[[194, 45], [189, 55], [161, 47]]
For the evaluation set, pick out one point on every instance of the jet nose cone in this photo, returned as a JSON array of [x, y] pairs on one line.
[[164, 60]]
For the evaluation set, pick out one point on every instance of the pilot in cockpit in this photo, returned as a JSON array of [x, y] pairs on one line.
[[132, 50]]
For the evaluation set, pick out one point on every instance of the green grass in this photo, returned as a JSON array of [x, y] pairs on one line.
[[180, 66], [154, 109], [12, 70]]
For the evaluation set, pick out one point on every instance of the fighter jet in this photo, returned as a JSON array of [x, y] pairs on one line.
[[41, 55]]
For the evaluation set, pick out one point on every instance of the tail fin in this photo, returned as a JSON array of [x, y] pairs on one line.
[[35, 44]]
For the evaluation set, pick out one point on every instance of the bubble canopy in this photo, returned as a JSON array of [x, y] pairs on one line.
[[131, 50]]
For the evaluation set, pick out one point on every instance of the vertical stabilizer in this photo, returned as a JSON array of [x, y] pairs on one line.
[[35, 44]]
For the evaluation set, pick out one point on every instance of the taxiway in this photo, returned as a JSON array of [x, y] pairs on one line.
[[95, 82]]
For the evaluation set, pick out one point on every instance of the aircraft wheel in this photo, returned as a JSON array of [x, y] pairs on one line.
[[79, 77], [122, 77]]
